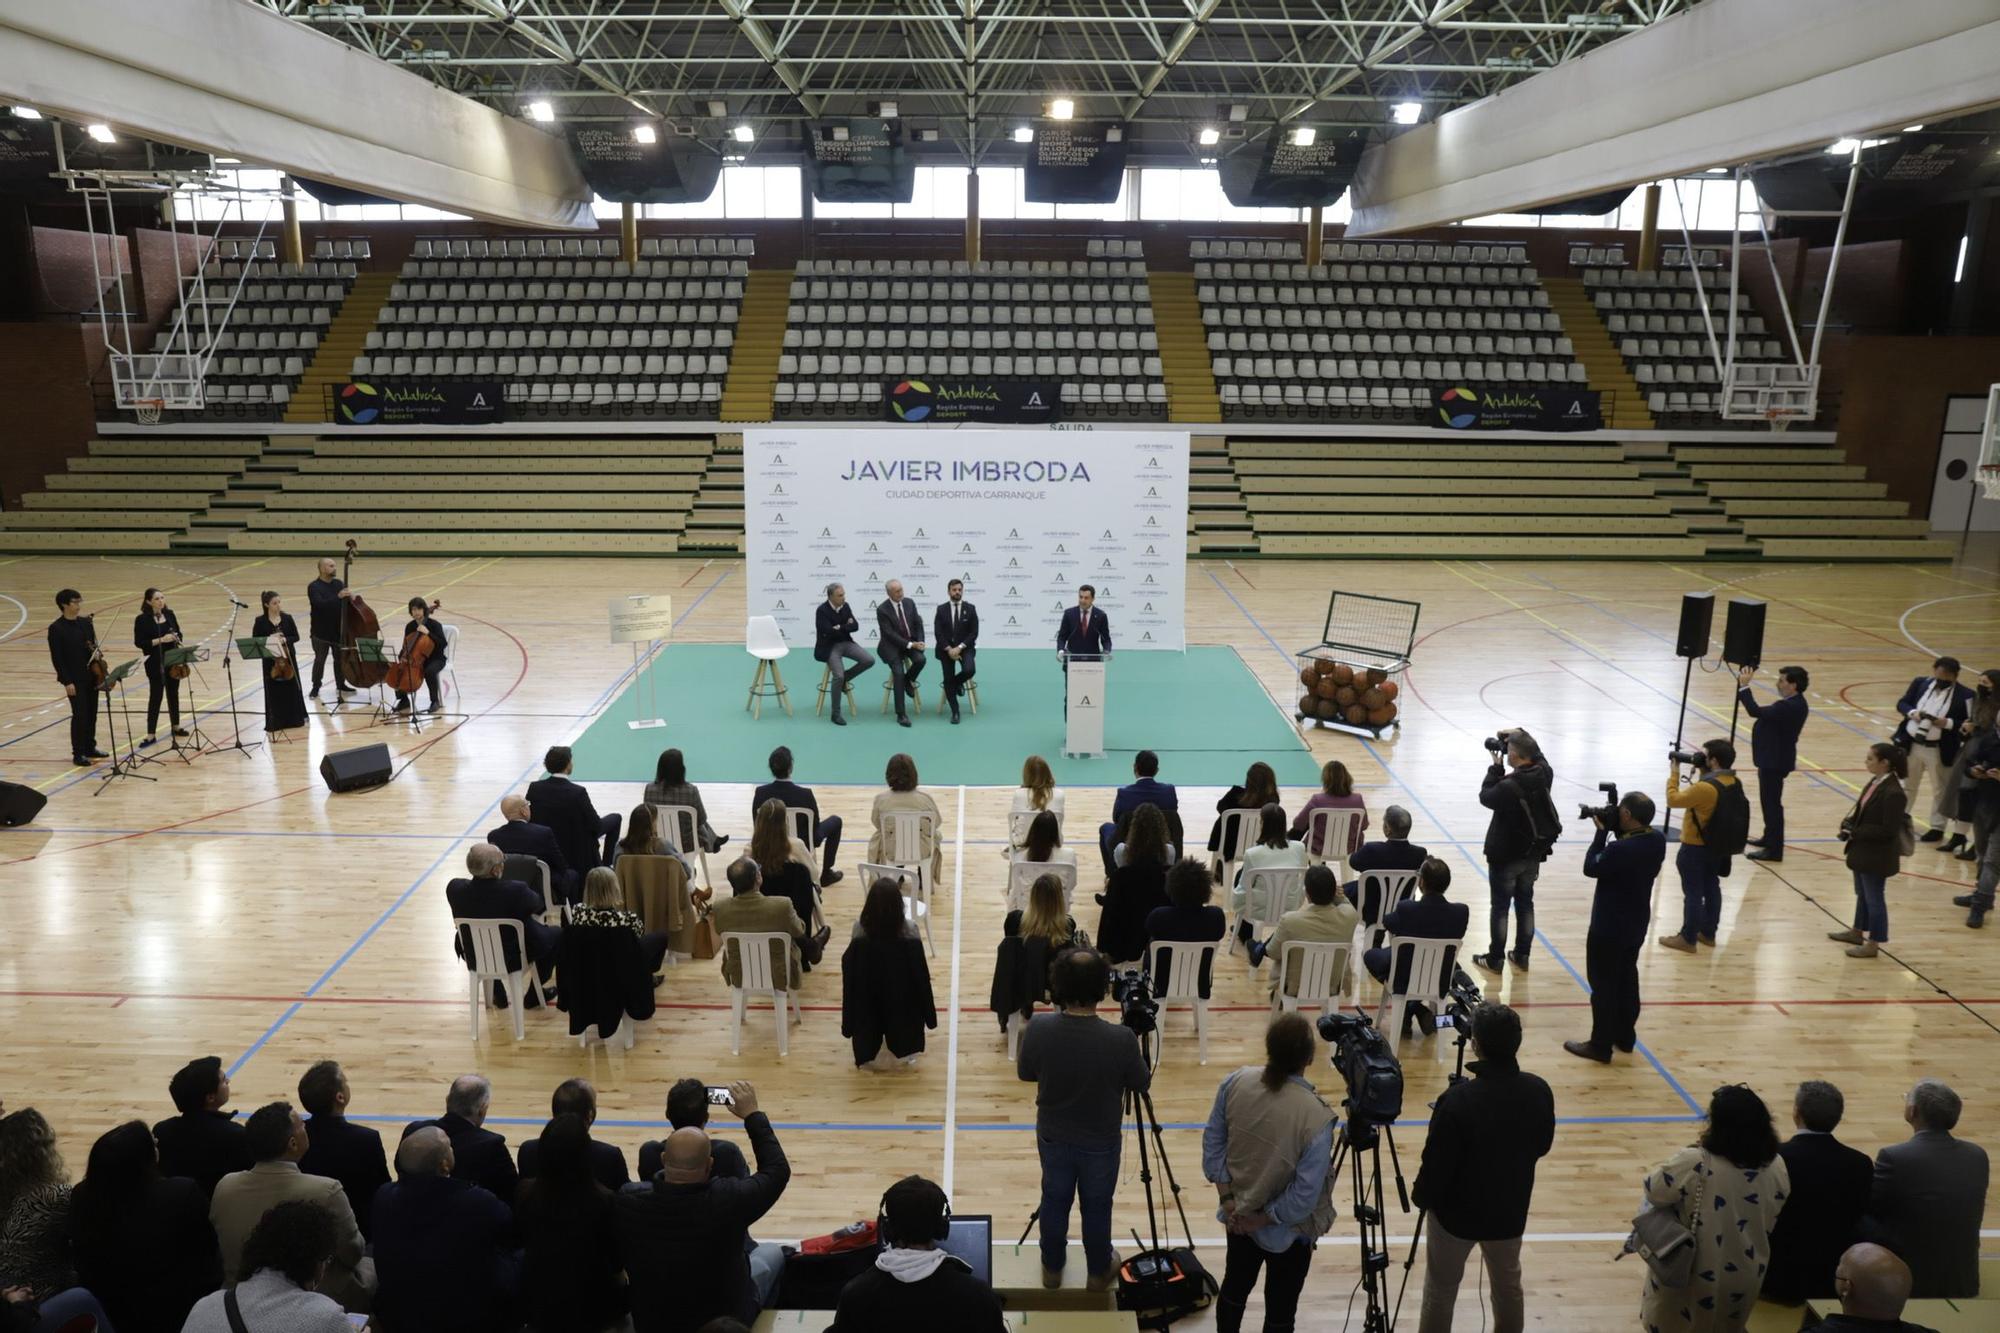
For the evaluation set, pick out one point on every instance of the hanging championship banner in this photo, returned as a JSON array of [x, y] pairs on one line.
[[1900, 174], [1531, 407], [1075, 162], [672, 170], [1585, 206], [418, 403], [859, 161], [951, 401], [1290, 175]]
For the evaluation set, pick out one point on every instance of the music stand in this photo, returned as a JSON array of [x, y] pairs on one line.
[[128, 766], [187, 656]]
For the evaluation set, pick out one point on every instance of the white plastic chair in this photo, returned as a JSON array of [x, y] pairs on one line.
[[763, 640], [1332, 830], [802, 823], [1428, 961], [451, 656], [1239, 830], [670, 822], [753, 949], [489, 963], [1319, 969], [1022, 874], [1268, 893], [1385, 891], [905, 847], [1183, 988], [916, 900]]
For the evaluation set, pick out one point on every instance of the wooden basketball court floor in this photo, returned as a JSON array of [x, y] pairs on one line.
[[233, 907]]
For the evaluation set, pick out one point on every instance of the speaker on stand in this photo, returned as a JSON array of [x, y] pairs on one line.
[[1742, 645], [1691, 644]]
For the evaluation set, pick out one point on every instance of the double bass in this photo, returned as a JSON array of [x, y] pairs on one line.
[[406, 674], [357, 622]]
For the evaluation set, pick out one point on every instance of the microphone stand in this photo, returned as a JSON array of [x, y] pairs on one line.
[[235, 715]]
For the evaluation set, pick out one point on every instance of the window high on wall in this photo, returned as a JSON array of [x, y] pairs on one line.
[[1710, 204]]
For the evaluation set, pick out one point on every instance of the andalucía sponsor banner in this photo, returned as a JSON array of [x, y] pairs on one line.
[[954, 401], [1523, 407], [417, 403]]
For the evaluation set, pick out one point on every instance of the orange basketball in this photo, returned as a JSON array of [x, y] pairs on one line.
[[1343, 674], [1323, 666], [1393, 710], [1306, 704], [1389, 689], [1324, 687], [1373, 698], [1307, 676], [1380, 716], [1328, 710], [1356, 714], [1345, 695], [1376, 675]]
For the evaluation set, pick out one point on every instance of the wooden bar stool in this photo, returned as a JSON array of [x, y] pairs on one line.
[[889, 696], [825, 684]]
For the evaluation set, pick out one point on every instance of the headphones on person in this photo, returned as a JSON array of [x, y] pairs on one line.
[[888, 1235]]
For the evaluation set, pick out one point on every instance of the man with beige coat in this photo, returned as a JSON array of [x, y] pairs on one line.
[[276, 1137]]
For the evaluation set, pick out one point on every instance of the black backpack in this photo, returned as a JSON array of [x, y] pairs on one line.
[[1726, 831]]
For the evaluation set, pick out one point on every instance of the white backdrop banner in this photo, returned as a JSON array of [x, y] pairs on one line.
[[1023, 516]]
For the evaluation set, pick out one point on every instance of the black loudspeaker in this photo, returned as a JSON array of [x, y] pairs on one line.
[[1697, 615], [19, 804], [355, 770], [1743, 633]]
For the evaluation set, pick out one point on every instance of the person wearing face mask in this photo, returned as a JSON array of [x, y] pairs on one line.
[[1959, 790], [1933, 709], [1979, 799]]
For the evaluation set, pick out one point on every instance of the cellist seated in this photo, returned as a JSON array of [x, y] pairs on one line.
[[423, 650]]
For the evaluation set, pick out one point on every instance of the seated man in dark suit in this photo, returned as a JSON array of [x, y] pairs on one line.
[[478, 1154], [781, 788], [687, 1108], [1829, 1195], [340, 1149], [899, 642], [1393, 851], [442, 1257], [1144, 789], [587, 840], [575, 1096], [1873, 1286], [521, 836], [203, 1143], [834, 628], [1928, 1196], [487, 897], [1426, 917]]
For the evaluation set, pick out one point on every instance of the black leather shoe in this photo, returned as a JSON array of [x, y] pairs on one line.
[[954, 717], [831, 878], [1425, 1020], [1626, 1046], [1963, 900], [97, 754], [1957, 841], [1968, 853], [79, 761], [1588, 1051], [1975, 918], [1519, 959], [1764, 855], [902, 721], [1487, 962], [1935, 835], [839, 721]]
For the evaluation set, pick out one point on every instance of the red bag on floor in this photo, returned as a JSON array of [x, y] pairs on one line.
[[857, 1236]]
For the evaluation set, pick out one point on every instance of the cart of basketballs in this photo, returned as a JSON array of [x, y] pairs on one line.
[[1348, 681]]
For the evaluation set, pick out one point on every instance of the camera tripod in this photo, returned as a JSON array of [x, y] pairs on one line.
[[1360, 1148]]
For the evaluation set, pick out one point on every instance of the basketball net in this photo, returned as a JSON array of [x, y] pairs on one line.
[[147, 410], [1989, 477]]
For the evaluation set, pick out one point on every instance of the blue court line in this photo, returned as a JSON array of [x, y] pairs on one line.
[[933, 1127], [631, 672], [1476, 863]]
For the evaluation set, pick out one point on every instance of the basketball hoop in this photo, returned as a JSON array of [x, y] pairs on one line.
[[146, 411], [1989, 477], [1778, 418]]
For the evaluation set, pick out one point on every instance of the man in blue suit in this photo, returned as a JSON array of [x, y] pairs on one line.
[[1774, 747], [834, 628], [1085, 632], [1144, 789]]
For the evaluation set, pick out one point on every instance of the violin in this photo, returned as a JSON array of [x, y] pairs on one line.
[[285, 666], [99, 668], [179, 671], [406, 673]]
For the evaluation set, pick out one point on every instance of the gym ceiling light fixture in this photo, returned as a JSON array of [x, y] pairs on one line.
[[541, 111], [882, 110], [102, 133], [1023, 134], [1304, 135], [743, 134], [27, 113], [1062, 108], [1209, 136], [1406, 113], [644, 134], [718, 109]]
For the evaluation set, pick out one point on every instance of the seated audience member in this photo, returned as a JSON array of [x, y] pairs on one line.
[[781, 788], [1873, 1286], [142, 1243], [643, 837], [785, 864], [1187, 917], [606, 1161], [203, 1143], [687, 1108], [565, 807], [1258, 789], [1324, 918], [571, 1280], [443, 1251], [1044, 845], [337, 1148], [1928, 1196], [287, 1259], [521, 836], [1827, 1199], [915, 1284], [1036, 794], [750, 910], [1131, 839], [902, 797], [1395, 851], [1429, 917], [885, 982], [487, 897], [1336, 792], [34, 1209], [1136, 885], [1144, 789], [478, 1154], [671, 787], [604, 906], [276, 1135], [683, 1238], [1030, 940], [1271, 851]]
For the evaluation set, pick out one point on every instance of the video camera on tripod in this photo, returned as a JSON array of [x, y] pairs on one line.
[[1367, 1065], [1137, 1009]]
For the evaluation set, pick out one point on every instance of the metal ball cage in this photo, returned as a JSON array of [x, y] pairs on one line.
[[1368, 641]]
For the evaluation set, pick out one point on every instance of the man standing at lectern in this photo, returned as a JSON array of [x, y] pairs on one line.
[[1085, 632], [957, 631], [901, 627]]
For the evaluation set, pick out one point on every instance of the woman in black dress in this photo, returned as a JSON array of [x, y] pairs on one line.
[[284, 700], [154, 630]]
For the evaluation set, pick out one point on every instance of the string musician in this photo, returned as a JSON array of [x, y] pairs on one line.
[[154, 630], [327, 597], [284, 700], [430, 632], [72, 648]]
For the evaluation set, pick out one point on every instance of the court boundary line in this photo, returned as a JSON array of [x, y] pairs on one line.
[[951, 1029]]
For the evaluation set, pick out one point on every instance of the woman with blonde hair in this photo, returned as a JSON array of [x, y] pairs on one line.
[[1032, 937], [1037, 794], [604, 905]]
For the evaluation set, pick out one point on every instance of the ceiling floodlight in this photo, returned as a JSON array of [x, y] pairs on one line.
[[1239, 111], [839, 133], [1304, 135], [1209, 135], [927, 136], [1062, 109], [228, 161], [1406, 113], [743, 134], [882, 110], [718, 109], [541, 111], [644, 134], [1022, 134], [1911, 129], [1849, 147], [27, 113], [102, 133]]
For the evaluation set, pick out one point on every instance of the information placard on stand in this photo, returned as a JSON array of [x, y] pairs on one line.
[[643, 618], [1083, 736]]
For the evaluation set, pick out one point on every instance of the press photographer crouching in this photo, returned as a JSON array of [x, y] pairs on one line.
[[1715, 825], [1519, 836], [1478, 1172], [1625, 865]]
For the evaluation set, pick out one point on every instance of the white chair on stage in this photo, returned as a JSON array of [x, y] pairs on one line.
[[753, 950], [1332, 831], [451, 660], [1318, 969], [1431, 962], [763, 640], [1184, 960], [1382, 892], [486, 939], [680, 828]]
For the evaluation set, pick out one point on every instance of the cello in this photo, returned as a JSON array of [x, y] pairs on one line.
[[406, 674], [357, 622]]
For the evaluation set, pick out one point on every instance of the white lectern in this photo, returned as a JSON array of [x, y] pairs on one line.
[[1083, 736]]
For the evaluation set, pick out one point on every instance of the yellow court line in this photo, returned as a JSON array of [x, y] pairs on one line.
[[49, 782], [1948, 578], [476, 569], [1566, 633]]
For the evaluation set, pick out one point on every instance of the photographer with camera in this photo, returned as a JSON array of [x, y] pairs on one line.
[[1715, 825], [1081, 1067], [1625, 868], [1478, 1172], [1267, 1148], [1519, 837]]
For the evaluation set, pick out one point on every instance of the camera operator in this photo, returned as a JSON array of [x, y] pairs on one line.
[[1268, 1147], [1621, 908], [1081, 1067], [1478, 1172], [1704, 855], [1519, 837]]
